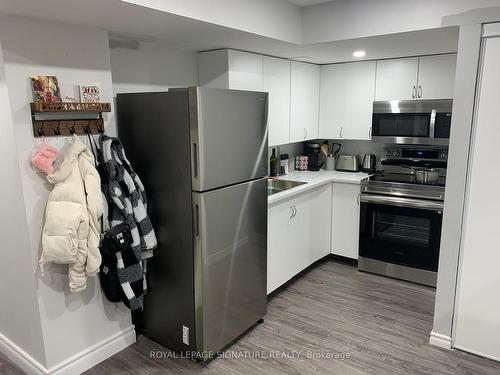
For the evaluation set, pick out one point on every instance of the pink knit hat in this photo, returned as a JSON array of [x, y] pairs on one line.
[[44, 158]]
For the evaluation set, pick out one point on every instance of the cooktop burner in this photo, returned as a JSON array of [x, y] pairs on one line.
[[396, 179], [402, 178], [402, 185]]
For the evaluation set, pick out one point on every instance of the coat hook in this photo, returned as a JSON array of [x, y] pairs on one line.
[[57, 130], [41, 131], [72, 129], [87, 129], [99, 127]]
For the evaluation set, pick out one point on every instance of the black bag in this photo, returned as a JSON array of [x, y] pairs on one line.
[[114, 240]]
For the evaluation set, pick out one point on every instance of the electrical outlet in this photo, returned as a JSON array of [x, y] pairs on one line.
[[185, 335]]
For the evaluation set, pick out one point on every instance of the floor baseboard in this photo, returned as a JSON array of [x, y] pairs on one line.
[[76, 364], [440, 340], [95, 354], [20, 358]]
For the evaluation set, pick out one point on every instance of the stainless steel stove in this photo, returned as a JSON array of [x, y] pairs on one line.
[[400, 220]]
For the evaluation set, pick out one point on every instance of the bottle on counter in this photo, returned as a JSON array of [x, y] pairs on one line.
[[273, 164], [284, 163]]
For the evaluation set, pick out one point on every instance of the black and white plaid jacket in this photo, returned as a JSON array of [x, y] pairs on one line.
[[128, 204]]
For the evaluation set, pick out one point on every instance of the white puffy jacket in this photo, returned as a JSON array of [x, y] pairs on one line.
[[72, 229]]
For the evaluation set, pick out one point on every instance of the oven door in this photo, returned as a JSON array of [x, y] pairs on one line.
[[400, 231]]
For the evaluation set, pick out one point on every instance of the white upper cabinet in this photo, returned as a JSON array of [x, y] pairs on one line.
[[332, 101], [426, 77], [213, 69], [277, 83], [229, 69], [245, 71], [397, 79], [238, 70], [436, 76], [304, 101], [346, 100]]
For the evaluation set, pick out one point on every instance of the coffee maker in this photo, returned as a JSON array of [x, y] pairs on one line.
[[312, 150]]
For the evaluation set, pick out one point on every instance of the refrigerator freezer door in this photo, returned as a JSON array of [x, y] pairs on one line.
[[228, 136], [230, 233], [154, 129]]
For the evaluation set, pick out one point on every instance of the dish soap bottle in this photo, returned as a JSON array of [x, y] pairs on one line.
[[273, 164]]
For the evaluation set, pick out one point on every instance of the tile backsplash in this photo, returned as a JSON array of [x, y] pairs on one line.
[[348, 147], [359, 148]]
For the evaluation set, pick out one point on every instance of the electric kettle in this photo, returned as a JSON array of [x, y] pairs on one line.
[[368, 165]]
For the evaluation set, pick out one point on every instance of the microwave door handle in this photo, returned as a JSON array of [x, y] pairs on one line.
[[432, 124]]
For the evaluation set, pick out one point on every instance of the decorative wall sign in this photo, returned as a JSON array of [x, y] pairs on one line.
[[45, 89], [90, 93]]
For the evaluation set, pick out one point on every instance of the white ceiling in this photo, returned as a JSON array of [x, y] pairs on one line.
[[135, 23], [305, 3], [415, 43]]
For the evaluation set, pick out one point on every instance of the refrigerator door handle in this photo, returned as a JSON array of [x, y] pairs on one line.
[[198, 215], [197, 221], [195, 160]]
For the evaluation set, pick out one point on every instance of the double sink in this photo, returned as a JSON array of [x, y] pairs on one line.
[[277, 186]]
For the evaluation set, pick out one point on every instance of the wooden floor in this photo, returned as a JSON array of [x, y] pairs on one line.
[[7, 367], [376, 324]]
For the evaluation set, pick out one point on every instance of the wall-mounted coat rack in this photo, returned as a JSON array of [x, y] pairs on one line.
[[66, 127]]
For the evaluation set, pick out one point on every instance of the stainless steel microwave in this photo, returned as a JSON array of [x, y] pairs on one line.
[[417, 122]]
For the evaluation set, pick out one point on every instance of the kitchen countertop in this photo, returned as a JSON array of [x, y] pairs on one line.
[[314, 179]]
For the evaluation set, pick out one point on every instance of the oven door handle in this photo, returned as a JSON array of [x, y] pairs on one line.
[[402, 202]]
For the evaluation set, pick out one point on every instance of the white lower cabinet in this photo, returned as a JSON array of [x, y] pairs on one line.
[[298, 234], [345, 220]]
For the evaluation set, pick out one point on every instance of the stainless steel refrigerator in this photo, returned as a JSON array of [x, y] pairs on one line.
[[202, 155]]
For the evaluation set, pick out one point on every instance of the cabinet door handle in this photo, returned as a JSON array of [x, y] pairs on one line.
[[414, 92], [419, 92], [370, 132], [305, 133], [294, 211], [341, 129], [359, 198]]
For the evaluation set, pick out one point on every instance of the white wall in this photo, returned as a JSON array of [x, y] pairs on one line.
[[278, 19], [19, 314], [349, 19], [152, 67], [456, 175], [476, 322], [71, 323]]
